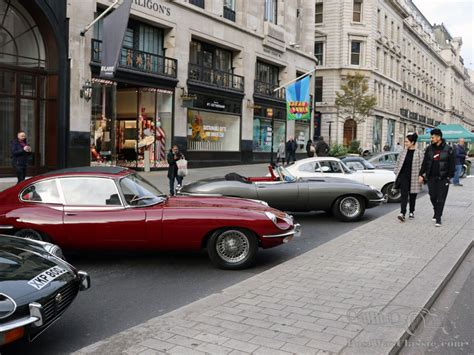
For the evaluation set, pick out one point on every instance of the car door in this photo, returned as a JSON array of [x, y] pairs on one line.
[[281, 195], [95, 216]]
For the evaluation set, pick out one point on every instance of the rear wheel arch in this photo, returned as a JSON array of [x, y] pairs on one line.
[[30, 233]]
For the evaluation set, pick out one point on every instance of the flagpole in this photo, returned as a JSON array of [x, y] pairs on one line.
[[292, 81], [87, 28]]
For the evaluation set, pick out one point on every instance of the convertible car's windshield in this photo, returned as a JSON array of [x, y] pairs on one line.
[[139, 192], [285, 175]]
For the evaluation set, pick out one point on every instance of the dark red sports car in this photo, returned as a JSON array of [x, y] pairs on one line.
[[115, 208]]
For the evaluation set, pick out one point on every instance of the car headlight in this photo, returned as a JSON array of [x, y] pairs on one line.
[[7, 306], [373, 187], [281, 223], [271, 216], [260, 202]]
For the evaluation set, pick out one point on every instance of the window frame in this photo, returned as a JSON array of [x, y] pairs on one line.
[[321, 14], [353, 53], [58, 187], [318, 79], [121, 206], [316, 55], [359, 12], [270, 13]]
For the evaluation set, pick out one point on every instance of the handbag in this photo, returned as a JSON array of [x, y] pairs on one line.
[[396, 185], [182, 165]]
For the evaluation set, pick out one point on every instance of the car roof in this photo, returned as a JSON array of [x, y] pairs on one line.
[[109, 170], [352, 158], [307, 160]]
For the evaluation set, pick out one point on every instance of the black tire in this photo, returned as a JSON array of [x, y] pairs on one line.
[[392, 197], [31, 234], [349, 208], [246, 252]]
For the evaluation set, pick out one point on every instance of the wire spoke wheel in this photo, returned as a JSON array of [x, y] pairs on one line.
[[232, 246], [350, 207], [29, 234]]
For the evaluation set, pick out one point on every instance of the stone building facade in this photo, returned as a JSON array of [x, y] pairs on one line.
[[197, 73], [414, 70]]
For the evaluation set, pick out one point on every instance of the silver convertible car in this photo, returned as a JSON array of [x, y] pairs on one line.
[[346, 199]]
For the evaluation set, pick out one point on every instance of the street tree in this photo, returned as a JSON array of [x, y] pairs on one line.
[[353, 101]]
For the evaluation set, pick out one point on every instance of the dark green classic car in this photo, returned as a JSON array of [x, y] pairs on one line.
[[36, 287]]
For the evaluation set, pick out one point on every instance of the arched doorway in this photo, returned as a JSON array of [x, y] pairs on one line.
[[350, 131], [28, 87]]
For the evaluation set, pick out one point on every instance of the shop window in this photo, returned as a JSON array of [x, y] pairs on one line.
[[377, 135], [301, 135], [264, 135], [215, 132]]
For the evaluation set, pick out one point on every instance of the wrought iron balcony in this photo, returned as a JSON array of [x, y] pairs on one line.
[[267, 89], [215, 77], [139, 60], [229, 13]]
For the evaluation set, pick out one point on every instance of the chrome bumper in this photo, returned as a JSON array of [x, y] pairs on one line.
[[85, 280], [296, 232], [35, 318]]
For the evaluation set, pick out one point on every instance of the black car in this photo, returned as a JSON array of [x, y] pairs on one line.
[[36, 287]]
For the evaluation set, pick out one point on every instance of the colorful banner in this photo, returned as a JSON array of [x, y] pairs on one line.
[[298, 101]]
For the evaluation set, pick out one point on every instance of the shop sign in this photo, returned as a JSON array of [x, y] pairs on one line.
[[215, 105], [298, 100], [152, 5]]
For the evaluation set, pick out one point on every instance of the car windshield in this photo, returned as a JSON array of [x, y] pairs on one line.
[[368, 165], [285, 175], [139, 192]]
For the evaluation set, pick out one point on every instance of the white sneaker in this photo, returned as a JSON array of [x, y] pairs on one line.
[[438, 224]]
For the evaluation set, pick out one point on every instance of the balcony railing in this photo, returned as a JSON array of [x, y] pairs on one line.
[[404, 112], [215, 77], [139, 60], [267, 89], [229, 13]]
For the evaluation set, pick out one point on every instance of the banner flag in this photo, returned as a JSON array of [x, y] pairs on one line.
[[298, 100], [115, 26]]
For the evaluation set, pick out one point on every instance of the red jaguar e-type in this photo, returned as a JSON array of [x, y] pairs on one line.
[[115, 208]]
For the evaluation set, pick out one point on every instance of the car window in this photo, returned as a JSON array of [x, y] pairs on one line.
[[43, 191], [343, 167], [307, 167], [333, 166], [355, 165], [90, 192], [139, 192]]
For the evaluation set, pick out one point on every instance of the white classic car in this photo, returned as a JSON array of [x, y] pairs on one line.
[[381, 179]]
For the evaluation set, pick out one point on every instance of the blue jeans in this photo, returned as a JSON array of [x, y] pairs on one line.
[[457, 174], [179, 179]]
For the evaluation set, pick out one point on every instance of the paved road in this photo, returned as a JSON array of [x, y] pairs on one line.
[[131, 288]]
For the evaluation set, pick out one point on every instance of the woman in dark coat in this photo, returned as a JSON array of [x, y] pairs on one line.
[[173, 156], [407, 168], [20, 151], [310, 149]]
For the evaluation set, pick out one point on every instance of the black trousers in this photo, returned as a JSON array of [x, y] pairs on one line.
[[405, 183], [20, 173], [438, 189]]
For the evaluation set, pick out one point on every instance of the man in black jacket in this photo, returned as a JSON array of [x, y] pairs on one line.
[[437, 168], [20, 151]]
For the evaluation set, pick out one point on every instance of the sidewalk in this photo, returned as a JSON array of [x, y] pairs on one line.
[[357, 294]]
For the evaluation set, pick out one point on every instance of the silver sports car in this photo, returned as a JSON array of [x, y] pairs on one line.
[[346, 199]]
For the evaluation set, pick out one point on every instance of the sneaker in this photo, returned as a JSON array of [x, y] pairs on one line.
[[401, 217], [433, 219], [411, 215], [458, 184], [438, 223]]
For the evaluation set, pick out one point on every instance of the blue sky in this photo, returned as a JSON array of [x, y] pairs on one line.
[[458, 17]]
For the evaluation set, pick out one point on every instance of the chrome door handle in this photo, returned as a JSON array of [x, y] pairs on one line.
[[71, 214]]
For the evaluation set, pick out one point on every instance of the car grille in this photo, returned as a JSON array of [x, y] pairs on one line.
[[53, 308]]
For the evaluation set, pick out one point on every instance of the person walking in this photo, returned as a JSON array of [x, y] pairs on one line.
[[406, 170], [173, 156], [322, 148], [20, 152], [310, 149], [460, 153], [437, 168], [291, 150], [281, 152], [399, 148]]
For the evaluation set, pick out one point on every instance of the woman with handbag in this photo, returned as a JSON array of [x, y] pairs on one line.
[[173, 158], [407, 168]]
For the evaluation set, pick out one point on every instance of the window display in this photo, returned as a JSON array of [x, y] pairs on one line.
[[301, 136], [263, 133], [217, 132]]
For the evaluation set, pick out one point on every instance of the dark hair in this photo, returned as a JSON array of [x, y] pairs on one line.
[[436, 131], [412, 137]]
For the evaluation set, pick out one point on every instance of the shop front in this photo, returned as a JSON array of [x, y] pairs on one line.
[[131, 126], [33, 82], [213, 128]]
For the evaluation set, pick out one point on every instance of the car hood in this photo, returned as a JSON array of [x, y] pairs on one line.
[[20, 262], [215, 202], [375, 171]]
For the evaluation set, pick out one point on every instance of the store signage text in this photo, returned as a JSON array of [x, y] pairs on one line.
[[272, 52], [153, 5], [216, 105]]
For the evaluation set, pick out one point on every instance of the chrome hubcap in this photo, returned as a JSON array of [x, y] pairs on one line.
[[232, 246], [350, 206]]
